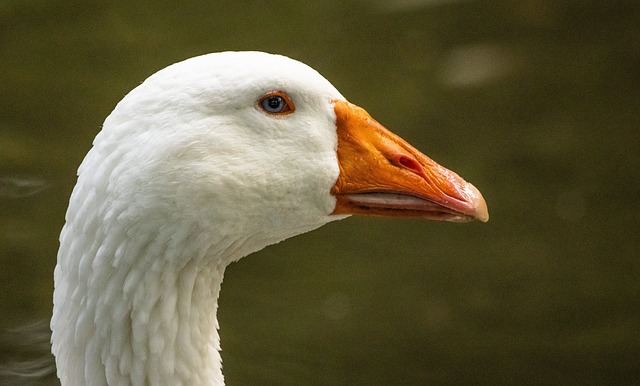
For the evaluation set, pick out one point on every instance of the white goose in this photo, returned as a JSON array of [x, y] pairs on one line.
[[205, 162]]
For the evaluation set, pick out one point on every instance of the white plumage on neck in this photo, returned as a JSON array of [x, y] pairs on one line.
[[186, 176]]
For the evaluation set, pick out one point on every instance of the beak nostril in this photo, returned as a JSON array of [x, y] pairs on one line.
[[408, 163]]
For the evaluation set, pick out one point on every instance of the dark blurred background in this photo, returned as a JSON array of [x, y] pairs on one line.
[[536, 102]]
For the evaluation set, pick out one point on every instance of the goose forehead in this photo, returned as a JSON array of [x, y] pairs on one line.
[[244, 73]]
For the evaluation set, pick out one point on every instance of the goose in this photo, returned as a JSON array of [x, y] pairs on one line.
[[206, 161]]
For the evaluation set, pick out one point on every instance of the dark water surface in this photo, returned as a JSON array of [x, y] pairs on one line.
[[537, 102]]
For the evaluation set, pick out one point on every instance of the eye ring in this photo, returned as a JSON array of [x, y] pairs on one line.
[[276, 103]]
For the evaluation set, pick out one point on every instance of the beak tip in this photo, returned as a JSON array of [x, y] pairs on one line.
[[478, 202]]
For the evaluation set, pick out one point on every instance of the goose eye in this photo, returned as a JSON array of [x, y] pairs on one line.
[[276, 103]]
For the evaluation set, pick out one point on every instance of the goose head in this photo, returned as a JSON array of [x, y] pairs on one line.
[[261, 144], [206, 161]]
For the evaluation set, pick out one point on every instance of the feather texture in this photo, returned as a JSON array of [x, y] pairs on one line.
[[186, 176]]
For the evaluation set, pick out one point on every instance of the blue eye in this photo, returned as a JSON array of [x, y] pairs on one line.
[[273, 104], [276, 103]]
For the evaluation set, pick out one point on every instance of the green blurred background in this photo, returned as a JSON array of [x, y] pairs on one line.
[[537, 102]]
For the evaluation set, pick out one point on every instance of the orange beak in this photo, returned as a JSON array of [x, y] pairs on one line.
[[381, 174]]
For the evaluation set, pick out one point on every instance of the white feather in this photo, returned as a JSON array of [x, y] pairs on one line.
[[186, 176]]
